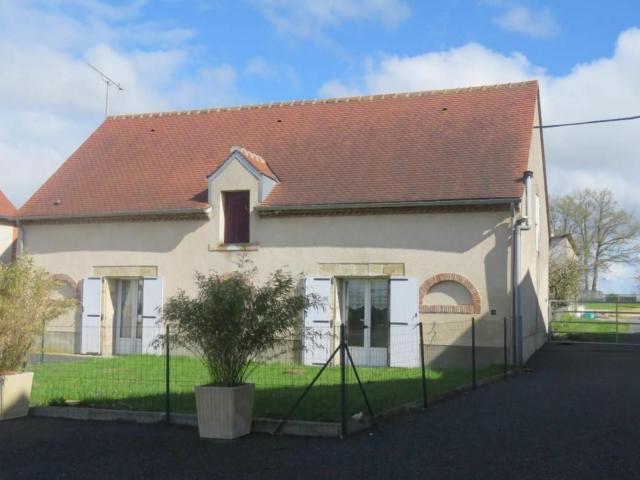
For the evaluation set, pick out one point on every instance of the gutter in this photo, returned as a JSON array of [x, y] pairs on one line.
[[350, 206], [178, 211], [544, 165]]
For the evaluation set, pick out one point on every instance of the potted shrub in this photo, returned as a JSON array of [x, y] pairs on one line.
[[229, 324], [26, 304]]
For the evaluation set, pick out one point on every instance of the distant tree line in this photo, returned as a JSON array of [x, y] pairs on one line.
[[605, 234]]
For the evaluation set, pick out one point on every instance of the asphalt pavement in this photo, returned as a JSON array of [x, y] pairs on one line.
[[573, 416]]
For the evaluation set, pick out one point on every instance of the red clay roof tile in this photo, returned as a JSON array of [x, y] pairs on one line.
[[463, 144], [7, 210], [254, 159]]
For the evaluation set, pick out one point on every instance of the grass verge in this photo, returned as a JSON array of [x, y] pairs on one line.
[[570, 327]]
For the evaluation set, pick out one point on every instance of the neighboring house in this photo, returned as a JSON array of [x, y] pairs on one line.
[[563, 248], [8, 232], [397, 208]]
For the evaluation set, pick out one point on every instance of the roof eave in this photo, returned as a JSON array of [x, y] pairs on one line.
[[390, 205], [143, 213]]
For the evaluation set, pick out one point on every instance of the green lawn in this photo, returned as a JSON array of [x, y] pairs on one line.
[[571, 327], [611, 307], [138, 383]]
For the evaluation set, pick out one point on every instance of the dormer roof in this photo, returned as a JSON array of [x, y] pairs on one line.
[[255, 161]]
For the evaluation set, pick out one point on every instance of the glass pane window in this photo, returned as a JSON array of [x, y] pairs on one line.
[[355, 301], [127, 299], [367, 313], [379, 313]]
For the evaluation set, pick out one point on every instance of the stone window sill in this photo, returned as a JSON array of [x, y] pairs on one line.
[[234, 247]]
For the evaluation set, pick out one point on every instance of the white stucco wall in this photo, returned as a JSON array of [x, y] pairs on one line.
[[535, 265], [562, 251], [475, 245], [472, 244], [6, 241]]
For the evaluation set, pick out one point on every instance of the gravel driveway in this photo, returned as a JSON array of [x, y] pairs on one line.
[[574, 416]]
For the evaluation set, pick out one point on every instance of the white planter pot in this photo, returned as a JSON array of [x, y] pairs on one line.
[[15, 391], [224, 412]]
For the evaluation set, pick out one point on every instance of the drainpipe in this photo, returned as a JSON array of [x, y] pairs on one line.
[[517, 300], [518, 225], [514, 283], [527, 177]]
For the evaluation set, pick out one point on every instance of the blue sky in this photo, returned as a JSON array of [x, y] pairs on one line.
[[171, 54], [304, 50]]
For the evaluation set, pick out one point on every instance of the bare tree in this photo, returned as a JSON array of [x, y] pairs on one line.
[[604, 233]]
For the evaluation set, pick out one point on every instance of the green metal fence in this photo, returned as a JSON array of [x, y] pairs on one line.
[[347, 389], [600, 322]]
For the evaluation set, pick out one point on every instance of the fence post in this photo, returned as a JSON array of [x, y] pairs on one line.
[[343, 385], [167, 375], [504, 349], [616, 321], [306, 390], [425, 402], [473, 352], [42, 346]]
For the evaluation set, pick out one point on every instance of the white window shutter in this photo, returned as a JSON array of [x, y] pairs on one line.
[[404, 337], [152, 301], [91, 314], [317, 323]]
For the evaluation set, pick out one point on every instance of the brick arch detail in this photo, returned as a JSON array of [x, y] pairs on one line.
[[66, 279], [473, 307]]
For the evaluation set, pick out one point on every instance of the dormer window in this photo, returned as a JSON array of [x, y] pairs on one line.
[[231, 204], [236, 217]]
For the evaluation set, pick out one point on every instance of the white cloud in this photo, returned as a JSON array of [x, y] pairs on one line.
[[596, 156], [51, 100], [311, 18], [259, 67], [471, 64], [335, 88], [534, 23]]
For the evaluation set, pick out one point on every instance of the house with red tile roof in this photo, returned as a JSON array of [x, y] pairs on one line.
[[397, 209], [8, 231]]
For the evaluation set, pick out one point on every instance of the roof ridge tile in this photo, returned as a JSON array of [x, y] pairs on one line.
[[315, 101]]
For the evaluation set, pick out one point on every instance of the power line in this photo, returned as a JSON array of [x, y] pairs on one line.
[[589, 122]]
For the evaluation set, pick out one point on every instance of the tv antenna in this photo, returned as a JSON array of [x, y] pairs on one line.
[[108, 82]]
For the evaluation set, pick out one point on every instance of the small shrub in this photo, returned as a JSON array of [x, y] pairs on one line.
[[232, 321], [26, 304]]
